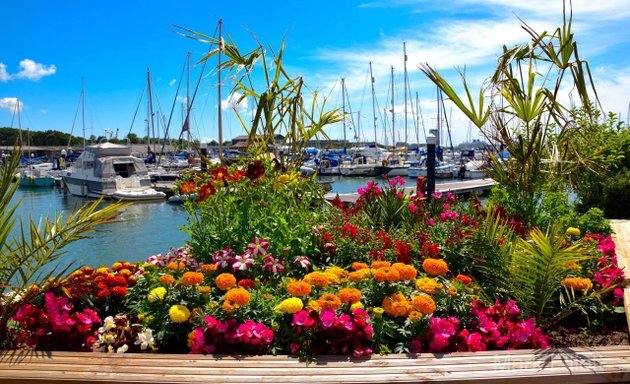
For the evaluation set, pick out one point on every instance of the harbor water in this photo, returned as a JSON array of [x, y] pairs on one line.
[[141, 230]]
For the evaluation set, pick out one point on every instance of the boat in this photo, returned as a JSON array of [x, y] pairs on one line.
[[37, 176], [110, 171]]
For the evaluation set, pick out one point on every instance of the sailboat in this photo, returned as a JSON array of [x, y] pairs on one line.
[[35, 175]]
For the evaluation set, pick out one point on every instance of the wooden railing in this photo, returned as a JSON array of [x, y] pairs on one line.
[[577, 365]]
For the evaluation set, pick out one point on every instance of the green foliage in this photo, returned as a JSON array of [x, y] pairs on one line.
[[525, 116], [534, 269], [37, 138], [556, 209], [28, 256], [593, 221], [281, 207]]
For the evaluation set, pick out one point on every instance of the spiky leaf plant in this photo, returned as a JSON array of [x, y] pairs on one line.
[[28, 252]]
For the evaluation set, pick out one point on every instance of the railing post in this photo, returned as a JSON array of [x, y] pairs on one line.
[[431, 141]]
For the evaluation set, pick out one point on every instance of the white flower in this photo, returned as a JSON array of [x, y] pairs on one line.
[[145, 339], [108, 324], [122, 349]]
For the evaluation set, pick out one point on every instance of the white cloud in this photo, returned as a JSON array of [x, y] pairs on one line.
[[234, 102], [10, 104], [172, 82], [34, 71], [4, 75]]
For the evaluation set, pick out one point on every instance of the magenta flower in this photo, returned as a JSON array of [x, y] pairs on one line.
[[327, 316]]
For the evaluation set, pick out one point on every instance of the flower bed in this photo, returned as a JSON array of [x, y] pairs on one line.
[[269, 272]]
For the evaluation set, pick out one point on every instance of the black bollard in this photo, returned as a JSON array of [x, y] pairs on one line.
[[430, 165]]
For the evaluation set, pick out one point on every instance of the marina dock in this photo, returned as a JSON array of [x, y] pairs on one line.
[[457, 187]]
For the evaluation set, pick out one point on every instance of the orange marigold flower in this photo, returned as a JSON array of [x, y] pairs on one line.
[[427, 285], [464, 279], [167, 279], [572, 265], [332, 278], [176, 266], [415, 315], [236, 298], [125, 273], [396, 305], [204, 289], [318, 279], [435, 267], [424, 304], [225, 281], [313, 305], [192, 278], [386, 274], [406, 271], [116, 266], [358, 266], [339, 272], [206, 268], [452, 290], [298, 288], [376, 264], [350, 295], [577, 283], [329, 301], [359, 275]]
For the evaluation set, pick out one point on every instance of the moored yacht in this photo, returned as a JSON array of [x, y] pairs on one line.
[[109, 170]]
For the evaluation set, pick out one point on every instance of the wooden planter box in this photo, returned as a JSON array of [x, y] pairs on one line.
[[576, 365]]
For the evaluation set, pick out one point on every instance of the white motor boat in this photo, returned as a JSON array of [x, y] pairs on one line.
[[109, 170]]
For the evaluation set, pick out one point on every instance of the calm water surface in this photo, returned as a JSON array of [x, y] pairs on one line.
[[142, 230]]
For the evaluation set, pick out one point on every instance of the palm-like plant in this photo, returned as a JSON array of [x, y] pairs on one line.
[[28, 253], [525, 116], [280, 108]]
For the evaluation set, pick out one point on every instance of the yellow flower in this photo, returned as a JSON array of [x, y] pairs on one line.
[[577, 283], [290, 305], [156, 294], [427, 285], [356, 305], [179, 313], [378, 311], [572, 231]]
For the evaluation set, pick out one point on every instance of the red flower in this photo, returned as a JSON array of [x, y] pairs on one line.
[[119, 292], [403, 252], [247, 283], [255, 170], [206, 191], [187, 188]]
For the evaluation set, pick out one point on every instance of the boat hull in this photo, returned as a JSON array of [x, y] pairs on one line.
[[36, 182]]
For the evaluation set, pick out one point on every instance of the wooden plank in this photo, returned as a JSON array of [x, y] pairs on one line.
[[579, 365], [621, 235]]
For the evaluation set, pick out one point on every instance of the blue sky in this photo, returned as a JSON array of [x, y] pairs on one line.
[[48, 47]]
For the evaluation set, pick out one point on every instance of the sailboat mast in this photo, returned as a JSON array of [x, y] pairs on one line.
[[17, 109], [343, 108], [393, 114], [220, 123], [150, 121], [187, 122], [83, 110], [405, 80], [373, 103]]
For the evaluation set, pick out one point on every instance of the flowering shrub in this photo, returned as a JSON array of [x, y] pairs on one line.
[[257, 199], [413, 285], [56, 325]]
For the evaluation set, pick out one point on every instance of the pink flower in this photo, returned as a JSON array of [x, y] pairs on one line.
[[412, 208], [302, 261], [242, 262], [223, 258], [272, 264], [258, 246]]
